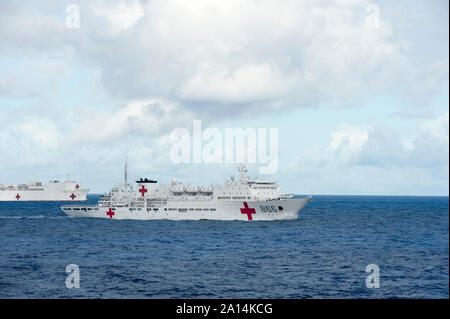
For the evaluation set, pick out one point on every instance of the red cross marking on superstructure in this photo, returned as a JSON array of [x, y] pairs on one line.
[[73, 196], [77, 186], [18, 196], [248, 211], [143, 190], [110, 213]]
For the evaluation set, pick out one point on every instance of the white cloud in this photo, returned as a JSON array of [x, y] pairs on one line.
[[345, 144], [289, 53], [143, 119], [30, 143], [120, 16], [247, 83], [351, 138], [438, 128], [356, 155]]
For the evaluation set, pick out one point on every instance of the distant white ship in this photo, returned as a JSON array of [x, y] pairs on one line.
[[36, 191], [244, 199]]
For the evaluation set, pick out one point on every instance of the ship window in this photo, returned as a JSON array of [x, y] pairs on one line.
[[213, 209], [172, 209], [280, 207], [205, 208], [198, 209], [155, 209], [182, 210]]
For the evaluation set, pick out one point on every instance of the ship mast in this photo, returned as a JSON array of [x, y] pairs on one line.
[[126, 188], [126, 177]]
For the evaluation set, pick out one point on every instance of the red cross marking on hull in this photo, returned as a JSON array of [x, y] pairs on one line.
[[248, 211], [73, 196], [18, 196], [143, 190], [110, 213]]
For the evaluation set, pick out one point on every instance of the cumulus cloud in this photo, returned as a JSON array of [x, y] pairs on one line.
[[246, 84], [289, 53], [382, 146], [437, 128], [120, 16], [348, 141], [306, 53], [145, 118], [30, 143], [358, 154]]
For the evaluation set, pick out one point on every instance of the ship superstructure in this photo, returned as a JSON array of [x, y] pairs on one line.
[[237, 199]]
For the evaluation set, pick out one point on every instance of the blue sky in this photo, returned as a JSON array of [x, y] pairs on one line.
[[357, 89]]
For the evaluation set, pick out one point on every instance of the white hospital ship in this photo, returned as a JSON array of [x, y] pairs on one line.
[[242, 199], [36, 191]]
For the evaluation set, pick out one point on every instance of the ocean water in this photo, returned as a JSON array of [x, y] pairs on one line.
[[323, 254]]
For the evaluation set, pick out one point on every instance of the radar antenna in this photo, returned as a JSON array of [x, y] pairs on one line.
[[243, 170]]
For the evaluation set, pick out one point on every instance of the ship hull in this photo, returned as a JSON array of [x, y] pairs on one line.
[[42, 195], [198, 210]]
